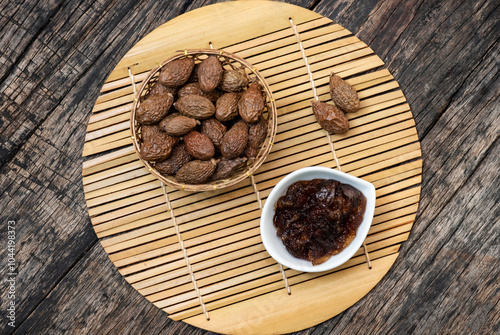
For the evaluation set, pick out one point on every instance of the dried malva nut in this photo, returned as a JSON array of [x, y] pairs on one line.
[[226, 107], [167, 118], [195, 106], [343, 95], [210, 73], [330, 118], [235, 140], [199, 145], [214, 130], [178, 125], [156, 144], [176, 72], [177, 159], [196, 171], [194, 88], [170, 116], [161, 89], [252, 103], [226, 168], [233, 81], [257, 133], [155, 105]]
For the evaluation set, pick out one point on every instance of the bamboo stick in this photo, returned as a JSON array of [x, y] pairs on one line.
[[118, 182], [93, 135], [109, 170], [128, 222], [101, 160]]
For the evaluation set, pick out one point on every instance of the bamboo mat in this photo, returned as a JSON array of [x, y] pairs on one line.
[[202, 260]]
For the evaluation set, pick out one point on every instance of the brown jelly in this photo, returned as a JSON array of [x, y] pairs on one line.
[[318, 218]]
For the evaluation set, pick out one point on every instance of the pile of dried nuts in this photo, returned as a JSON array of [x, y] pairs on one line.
[[200, 121], [345, 100]]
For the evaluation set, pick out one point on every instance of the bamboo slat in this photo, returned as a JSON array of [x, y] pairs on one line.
[[240, 286]]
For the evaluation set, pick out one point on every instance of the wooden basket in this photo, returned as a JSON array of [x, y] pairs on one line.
[[229, 61]]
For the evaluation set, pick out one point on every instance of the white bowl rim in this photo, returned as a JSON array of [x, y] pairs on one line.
[[273, 244]]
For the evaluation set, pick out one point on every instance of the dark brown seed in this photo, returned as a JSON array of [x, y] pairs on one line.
[[156, 145], [257, 133], [233, 81], [226, 107], [214, 130], [177, 159], [199, 145], [226, 168], [195, 172], [252, 103], [210, 73], [176, 72], [235, 140], [178, 125], [330, 117], [170, 116], [194, 88], [154, 107], [160, 89], [343, 95], [195, 106]]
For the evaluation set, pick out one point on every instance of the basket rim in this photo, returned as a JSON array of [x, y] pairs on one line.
[[265, 147]]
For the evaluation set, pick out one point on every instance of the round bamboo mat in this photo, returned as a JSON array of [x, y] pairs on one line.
[[198, 256]]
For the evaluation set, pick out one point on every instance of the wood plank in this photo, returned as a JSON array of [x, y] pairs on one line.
[[55, 57]]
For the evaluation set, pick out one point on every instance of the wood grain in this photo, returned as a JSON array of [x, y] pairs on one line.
[[55, 57]]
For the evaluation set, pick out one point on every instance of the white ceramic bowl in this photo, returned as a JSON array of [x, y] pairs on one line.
[[273, 243]]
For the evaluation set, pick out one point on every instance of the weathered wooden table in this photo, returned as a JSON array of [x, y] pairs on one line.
[[56, 276]]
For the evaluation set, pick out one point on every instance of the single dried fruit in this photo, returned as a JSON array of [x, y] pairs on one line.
[[226, 107], [194, 88], [233, 81], [210, 73], [226, 168], [178, 125], [343, 95], [199, 145], [154, 107], [214, 130], [235, 140], [257, 133], [161, 89], [176, 72], [195, 106], [177, 159], [196, 171], [170, 116], [252, 103], [330, 117], [156, 144]]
